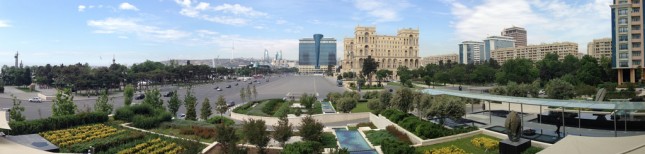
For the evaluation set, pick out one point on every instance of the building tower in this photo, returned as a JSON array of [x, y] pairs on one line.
[[280, 55], [113, 60], [471, 52], [518, 34], [317, 54], [16, 58], [627, 42], [266, 55], [317, 38]]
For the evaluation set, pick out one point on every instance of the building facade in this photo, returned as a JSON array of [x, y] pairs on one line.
[[599, 48], [497, 42], [627, 42], [518, 34], [535, 52], [316, 52], [448, 58], [471, 52], [389, 51]]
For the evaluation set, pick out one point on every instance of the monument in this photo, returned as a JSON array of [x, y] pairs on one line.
[[514, 144]]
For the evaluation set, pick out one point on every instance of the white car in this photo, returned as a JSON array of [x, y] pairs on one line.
[[35, 99], [542, 92], [218, 89]]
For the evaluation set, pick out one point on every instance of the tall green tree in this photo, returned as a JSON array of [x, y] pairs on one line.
[[249, 94], [517, 70], [64, 103], [442, 77], [484, 74], [153, 98], [255, 133], [384, 99], [310, 129], [174, 103], [589, 71], [242, 94], [255, 93], [206, 109], [128, 93], [226, 136], [307, 100], [102, 104], [283, 131], [346, 104], [190, 103], [15, 114], [550, 67], [447, 107], [382, 74], [221, 105], [404, 75], [559, 89], [369, 68], [402, 100]]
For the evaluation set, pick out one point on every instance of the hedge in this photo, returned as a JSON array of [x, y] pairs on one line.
[[283, 110], [302, 147], [142, 116], [220, 119], [56, 122], [268, 108], [422, 128], [395, 146]]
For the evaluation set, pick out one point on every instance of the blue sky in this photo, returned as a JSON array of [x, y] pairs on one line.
[[93, 31]]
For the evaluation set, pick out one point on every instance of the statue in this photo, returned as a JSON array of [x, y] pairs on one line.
[[513, 126]]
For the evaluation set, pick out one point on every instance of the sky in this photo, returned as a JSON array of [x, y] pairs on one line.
[[132, 31]]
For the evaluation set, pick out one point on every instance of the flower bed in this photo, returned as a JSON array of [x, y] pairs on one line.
[[422, 128], [67, 137], [447, 150], [486, 143], [154, 146]]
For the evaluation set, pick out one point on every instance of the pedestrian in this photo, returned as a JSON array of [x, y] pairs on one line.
[[558, 123], [483, 106]]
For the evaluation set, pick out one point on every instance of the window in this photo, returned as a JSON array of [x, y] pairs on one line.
[[623, 55], [622, 38], [636, 10], [622, 1], [636, 36], [622, 11], [636, 18], [636, 53], [623, 46], [636, 1], [622, 29], [636, 45], [636, 27], [623, 64], [622, 21], [636, 62]]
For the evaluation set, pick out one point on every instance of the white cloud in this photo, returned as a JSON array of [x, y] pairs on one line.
[[4, 24], [230, 14], [81, 8], [545, 20], [128, 26], [382, 10], [128, 6], [280, 22]]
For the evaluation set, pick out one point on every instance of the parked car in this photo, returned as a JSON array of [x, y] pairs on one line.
[[35, 99], [218, 89], [232, 103], [229, 86], [140, 96], [542, 92], [170, 93], [235, 84]]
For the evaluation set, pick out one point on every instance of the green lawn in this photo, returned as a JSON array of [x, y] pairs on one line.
[[257, 110], [377, 136], [174, 128], [466, 145], [361, 107]]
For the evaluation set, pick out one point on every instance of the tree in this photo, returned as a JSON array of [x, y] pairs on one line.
[[402, 100], [242, 94], [221, 105], [422, 103], [517, 70], [206, 109], [384, 99], [346, 104], [102, 104], [307, 100], [310, 129], [484, 74], [153, 98], [447, 107], [404, 75], [369, 67], [559, 89], [64, 103], [128, 93], [226, 136], [174, 103], [375, 106], [15, 114], [442, 77], [458, 74], [248, 94], [550, 67], [255, 133], [303, 147], [390, 146], [589, 71], [283, 131], [190, 103], [255, 93]]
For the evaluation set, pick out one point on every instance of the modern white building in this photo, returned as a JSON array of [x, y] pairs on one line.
[[496, 42], [470, 52]]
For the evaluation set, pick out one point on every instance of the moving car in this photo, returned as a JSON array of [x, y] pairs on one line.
[[232, 103], [229, 86], [235, 84], [170, 93], [35, 99], [140, 96], [218, 89]]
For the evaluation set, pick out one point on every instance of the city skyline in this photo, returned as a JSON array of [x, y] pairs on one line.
[[132, 31]]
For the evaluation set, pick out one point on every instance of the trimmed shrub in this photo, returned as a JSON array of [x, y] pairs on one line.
[[283, 110], [387, 113], [220, 120], [398, 134], [269, 106], [56, 122], [410, 123], [486, 143], [397, 116], [142, 116], [302, 147], [398, 147]]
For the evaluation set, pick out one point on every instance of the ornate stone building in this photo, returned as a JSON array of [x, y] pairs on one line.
[[389, 51]]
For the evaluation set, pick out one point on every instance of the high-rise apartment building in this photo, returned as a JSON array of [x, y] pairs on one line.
[[448, 58], [316, 54], [627, 42], [517, 33], [389, 51], [496, 42], [535, 52], [471, 52], [599, 48]]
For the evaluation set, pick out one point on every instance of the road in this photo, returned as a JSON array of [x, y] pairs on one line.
[[277, 87]]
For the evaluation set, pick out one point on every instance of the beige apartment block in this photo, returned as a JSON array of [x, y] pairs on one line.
[[599, 48], [389, 51], [627, 30], [517, 33], [535, 52], [436, 59]]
